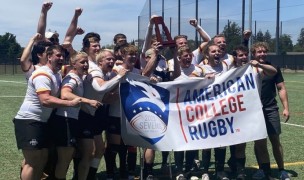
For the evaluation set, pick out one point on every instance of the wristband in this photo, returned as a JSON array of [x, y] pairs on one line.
[[198, 27]]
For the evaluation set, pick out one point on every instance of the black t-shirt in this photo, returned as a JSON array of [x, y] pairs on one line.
[[269, 89]]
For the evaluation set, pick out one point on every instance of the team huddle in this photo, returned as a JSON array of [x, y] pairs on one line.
[[71, 110]]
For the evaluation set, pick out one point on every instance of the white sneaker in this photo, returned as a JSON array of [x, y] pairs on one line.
[[194, 178], [222, 175], [205, 176], [180, 177], [150, 177]]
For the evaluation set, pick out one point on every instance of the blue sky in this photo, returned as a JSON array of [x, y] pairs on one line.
[[108, 17]]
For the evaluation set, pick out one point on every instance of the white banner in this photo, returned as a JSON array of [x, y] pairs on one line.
[[194, 113]]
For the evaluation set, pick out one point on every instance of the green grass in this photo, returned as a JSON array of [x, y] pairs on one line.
[[292, 136]]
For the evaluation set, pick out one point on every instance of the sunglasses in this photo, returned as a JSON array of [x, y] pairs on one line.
[[52, 39]]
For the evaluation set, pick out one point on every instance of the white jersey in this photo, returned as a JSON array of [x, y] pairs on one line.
[[114, 109], [89, 92], [196, 59], [228, 60], [220, 68], [197, 56], [92, 66], [192, 70], [75, 83], [43, 79]]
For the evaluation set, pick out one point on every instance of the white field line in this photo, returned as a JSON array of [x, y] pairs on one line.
[[17, 82], [294, 82], [292, 124]]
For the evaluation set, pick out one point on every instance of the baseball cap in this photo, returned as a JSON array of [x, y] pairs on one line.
[[50, 34]]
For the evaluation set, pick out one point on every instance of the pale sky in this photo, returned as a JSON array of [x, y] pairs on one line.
[[106, 17], [109, 17]]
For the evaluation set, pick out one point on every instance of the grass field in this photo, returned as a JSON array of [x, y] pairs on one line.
[[13, 87]]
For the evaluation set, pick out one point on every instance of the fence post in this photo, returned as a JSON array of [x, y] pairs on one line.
[[284, 63], [296, 66], [14, 62]]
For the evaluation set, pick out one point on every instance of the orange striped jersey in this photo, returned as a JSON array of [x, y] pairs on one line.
[[43, 80], [75, 83]]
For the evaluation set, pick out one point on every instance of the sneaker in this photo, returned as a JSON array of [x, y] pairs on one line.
[[196, 165], [110, 176], [241, 174], [194, 178], [131, 177], [180, 177], [222, 175], [205, 176], [150, 177], [44, 175], [259, 174], [284, 175], [241, 177]]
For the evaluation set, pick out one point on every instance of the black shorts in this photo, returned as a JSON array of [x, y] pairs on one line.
[[63, 131], [85, 125], [31, 134], [273, 122], [114, 125], [100, 119]]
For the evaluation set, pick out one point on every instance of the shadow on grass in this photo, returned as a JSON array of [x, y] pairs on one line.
[[160, 174]]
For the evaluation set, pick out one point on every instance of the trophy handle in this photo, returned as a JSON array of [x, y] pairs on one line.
[[166, 43]]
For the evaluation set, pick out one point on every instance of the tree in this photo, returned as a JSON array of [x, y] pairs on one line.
[[299, 47], [267, 36], [300, 40], [9, 48], [233, 34], [259, 37], [108, 46], [270, 41], [286, 43]]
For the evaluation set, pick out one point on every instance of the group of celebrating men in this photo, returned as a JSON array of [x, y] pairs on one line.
[[72, 97]]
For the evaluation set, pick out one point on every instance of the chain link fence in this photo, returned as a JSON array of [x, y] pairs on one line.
[[177, 18]]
